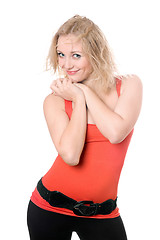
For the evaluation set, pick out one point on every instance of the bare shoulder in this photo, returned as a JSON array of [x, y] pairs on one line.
[[131, 83], [53, 101], [130, 100], [56, 118]]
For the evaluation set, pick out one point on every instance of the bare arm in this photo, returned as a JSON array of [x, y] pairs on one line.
[[116, 125], [67, 135]]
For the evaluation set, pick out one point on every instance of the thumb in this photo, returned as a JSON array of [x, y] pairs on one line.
[[76, 84]]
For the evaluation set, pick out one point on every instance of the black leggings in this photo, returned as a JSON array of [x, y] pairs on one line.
[[46, 225]]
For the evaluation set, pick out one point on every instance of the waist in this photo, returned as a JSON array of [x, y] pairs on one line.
[[97, 183], [81, 208]]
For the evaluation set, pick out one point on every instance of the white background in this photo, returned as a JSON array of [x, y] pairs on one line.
[[27, 152]]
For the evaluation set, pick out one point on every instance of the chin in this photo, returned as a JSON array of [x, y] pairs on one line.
[[74, 80]]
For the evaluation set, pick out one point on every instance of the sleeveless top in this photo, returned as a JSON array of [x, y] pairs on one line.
[[96, 176]]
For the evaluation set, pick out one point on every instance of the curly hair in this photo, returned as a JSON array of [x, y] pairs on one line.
[[95, 47]]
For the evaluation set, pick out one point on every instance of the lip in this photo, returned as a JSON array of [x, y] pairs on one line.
[[72, 72]]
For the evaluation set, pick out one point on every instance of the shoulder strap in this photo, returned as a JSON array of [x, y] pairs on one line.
[[68, 107], [118, 86]]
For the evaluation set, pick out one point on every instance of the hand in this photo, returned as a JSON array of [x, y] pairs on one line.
[[66, 89], [82, 86]]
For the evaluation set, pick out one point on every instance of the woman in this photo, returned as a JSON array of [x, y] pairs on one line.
[[90, 116]]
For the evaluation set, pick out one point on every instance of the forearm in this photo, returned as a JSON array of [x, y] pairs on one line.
[[73, 138], [108, 122]]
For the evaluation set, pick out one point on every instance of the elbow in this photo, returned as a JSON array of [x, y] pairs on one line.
[[115, 141], [69, 159], [73, 163], [116, 138], [68, 155]]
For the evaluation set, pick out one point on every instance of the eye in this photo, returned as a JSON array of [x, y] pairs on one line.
[[76, 55], [60, 54]]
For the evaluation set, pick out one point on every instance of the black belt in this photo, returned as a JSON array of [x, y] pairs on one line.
[[82, 208]]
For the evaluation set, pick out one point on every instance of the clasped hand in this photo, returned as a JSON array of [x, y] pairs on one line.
[[67, 89]]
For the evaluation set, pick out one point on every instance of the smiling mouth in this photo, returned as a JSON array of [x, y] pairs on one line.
[[72, 72]]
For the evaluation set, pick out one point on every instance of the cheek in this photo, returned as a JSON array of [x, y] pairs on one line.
[[88, 68], [87, 65], [60, 62]]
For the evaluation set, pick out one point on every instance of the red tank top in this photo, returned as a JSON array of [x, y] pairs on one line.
[[96, 176]]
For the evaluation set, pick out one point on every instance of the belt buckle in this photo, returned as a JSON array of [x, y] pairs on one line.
[[83, 210]]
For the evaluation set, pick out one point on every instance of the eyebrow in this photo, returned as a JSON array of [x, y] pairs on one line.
[[71, 52]]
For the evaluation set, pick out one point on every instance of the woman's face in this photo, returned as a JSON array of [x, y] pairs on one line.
[[72, 59]]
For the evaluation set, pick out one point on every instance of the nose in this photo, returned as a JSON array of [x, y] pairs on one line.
[[68, 63]]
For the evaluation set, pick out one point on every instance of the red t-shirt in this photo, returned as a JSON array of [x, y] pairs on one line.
[[96, 176]]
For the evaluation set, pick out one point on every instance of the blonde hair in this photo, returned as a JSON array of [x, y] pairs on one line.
[[95, 47]]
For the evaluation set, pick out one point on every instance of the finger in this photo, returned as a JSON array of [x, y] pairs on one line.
[[69, 80], [59, 82], [79, 85], [65, 81], [54, 83], [54, 93], [76, 84], [54, 88]]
